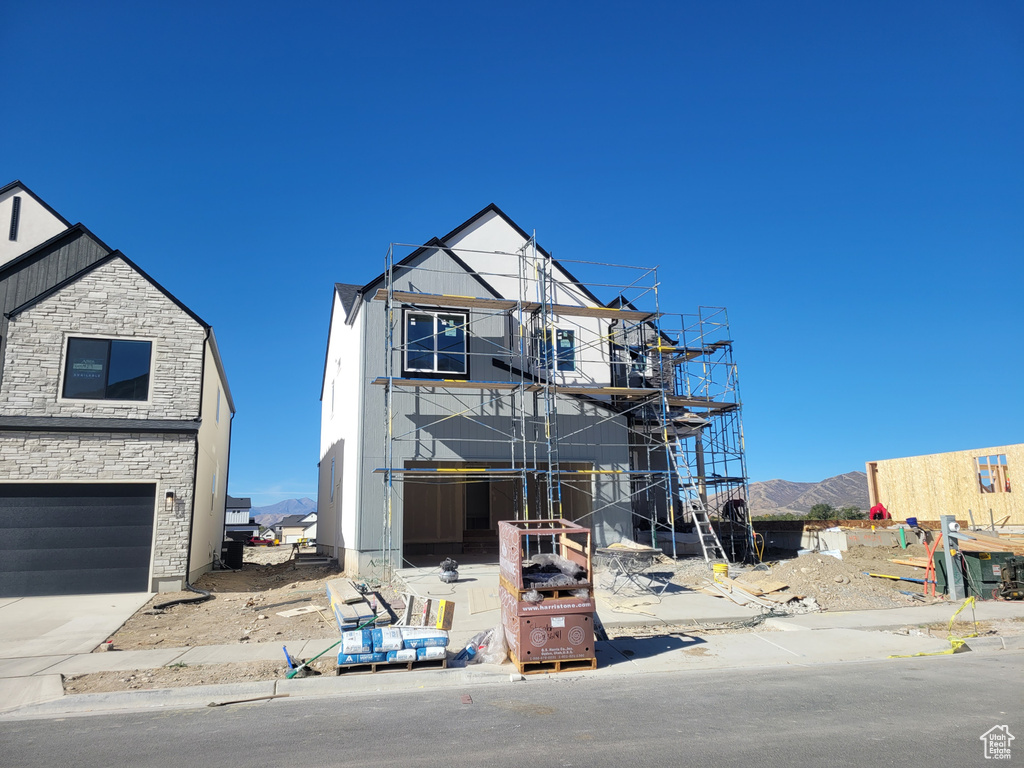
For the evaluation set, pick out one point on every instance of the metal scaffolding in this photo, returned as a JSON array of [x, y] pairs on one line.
[[573, 370]]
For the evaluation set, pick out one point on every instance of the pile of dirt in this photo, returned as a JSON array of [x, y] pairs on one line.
[[842, 585]]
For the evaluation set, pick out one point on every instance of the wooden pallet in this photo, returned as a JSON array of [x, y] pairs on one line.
[[555, 665], [398, 666]]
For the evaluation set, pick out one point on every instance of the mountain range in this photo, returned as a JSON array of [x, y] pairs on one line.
[[777, 497], [769, 497], [272, 513]]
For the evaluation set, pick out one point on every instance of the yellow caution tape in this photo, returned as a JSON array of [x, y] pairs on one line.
[[956, 644]]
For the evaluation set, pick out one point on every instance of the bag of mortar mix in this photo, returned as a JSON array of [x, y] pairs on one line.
[[408, 654], [424, 637], [357, 641], [387, 639], [431, 652], [360, 658]]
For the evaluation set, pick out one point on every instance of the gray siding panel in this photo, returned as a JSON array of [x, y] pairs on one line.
[[587, 433]]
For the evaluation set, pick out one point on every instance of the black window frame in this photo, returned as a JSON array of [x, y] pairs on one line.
[[110, 389], [434, 373]]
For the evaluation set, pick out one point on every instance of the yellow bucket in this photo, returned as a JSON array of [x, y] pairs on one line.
[[720, 571]]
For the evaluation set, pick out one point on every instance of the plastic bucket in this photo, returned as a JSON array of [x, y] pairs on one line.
[[912, 522], [720, 571]]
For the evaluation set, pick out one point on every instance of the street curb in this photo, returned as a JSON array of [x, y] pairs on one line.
[[169, 699]]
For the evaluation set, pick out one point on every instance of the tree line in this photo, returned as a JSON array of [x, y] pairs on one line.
[[820, 512]]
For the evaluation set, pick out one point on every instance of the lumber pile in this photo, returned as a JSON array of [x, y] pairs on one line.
[[766, 594], [992, 542]]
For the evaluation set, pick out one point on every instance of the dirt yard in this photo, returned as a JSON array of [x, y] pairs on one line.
[[246, 606], [244, 610]]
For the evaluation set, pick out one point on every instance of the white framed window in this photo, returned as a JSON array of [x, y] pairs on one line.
[[560, 355], [107, 369], [435, 342]]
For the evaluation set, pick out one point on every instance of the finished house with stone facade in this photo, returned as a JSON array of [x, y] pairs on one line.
[[115, 417]]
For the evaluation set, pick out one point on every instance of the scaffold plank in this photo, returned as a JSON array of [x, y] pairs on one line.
[[626, 392], [503, 305]]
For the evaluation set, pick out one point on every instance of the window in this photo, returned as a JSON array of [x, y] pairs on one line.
[[563, 353], [435, 342], [107, 369], [993, 474], [332, 478]]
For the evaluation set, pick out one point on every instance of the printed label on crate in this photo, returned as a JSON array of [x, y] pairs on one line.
[[577, 606], [408, 654]]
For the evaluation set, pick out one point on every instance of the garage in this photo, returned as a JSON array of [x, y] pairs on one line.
[[75, 538]]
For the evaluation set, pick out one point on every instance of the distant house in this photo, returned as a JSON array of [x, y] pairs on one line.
[[294, 527], [115, 417], [238, 522], [978, 481]]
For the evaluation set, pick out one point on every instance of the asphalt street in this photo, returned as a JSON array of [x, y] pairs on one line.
[[906, 712]]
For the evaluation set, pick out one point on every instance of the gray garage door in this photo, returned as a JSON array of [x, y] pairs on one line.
[[75, 539]]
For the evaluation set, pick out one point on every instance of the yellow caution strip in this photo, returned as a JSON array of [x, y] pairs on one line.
[[956, 644]]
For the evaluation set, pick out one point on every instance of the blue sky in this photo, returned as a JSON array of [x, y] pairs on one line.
[[848, 179]]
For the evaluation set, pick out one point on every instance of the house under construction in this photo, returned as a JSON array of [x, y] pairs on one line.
[[476, 379]]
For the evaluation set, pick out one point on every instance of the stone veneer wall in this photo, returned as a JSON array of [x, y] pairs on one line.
[[112, 301], [167, 460]]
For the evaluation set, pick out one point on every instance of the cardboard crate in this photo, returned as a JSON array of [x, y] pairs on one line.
[[548, 638], [564, 538]]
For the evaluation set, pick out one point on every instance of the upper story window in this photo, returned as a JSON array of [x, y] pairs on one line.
[[561, 354], [107, 369], [993, 474], [435, 342]]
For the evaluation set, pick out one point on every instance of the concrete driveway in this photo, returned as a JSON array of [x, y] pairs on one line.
[[38, 632], [63, 624]]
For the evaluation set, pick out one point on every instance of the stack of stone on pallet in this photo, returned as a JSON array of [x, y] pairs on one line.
[[547, 598], [350, 608]]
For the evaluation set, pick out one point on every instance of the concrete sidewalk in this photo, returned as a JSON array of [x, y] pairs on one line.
[[32, 687]]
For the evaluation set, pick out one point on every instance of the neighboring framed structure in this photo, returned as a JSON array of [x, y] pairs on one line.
[[978, 480]]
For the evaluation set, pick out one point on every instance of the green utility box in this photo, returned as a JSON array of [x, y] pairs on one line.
[[984, 572]]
